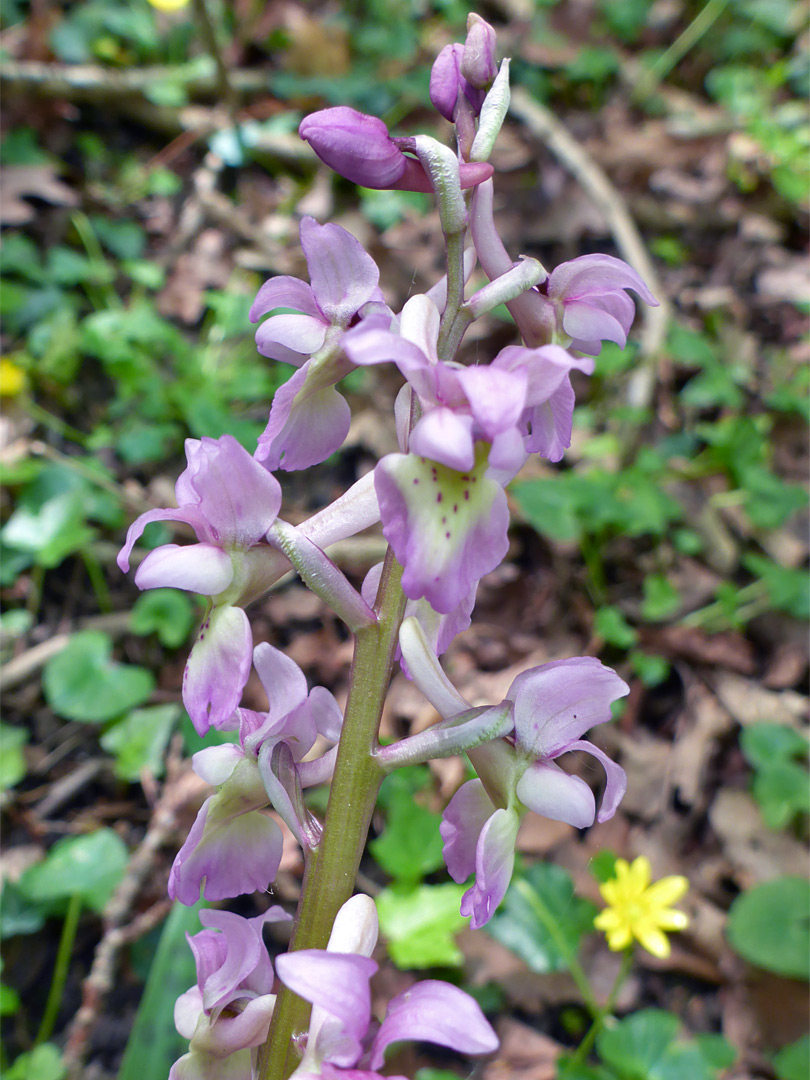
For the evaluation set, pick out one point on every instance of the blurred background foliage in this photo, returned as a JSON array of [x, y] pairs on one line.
[[149, 134]]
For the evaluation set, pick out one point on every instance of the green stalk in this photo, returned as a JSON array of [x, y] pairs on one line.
[[60, 969], [678, 49], [598, 1022], [455, 294], [569, 956], [331, 870]]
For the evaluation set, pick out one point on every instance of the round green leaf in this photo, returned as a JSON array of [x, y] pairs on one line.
[[139, 741], [770, 926], [90, 865], [83, 683]]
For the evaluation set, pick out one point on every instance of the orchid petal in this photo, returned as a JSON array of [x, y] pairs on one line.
[[283, 680], [284, 292], [616, 778], [494, 862], [549, 791], [343, 275], [446, 528], [217, 668], [307, 423], [444, 436], [435, 1012], [339, 984], [197, 568], [290, 338], [463, 819], [558, 702], [188, 514], [596, 273], [584, 321], [552, 423], [238, 498]]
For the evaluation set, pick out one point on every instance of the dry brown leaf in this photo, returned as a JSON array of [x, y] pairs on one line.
[[750, 703], [39, 181], [756, 852], [705, 722], [525, 1054]]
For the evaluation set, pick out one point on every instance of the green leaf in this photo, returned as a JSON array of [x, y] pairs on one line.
[[9, 1000], [770, 926], [90, 866], [603, 865], [411, 846], [435, 1074], [139, 741], [42, 1063], [764, 743], [82, 683], [50, 529], [793, 1062], [167, 612], [633, 1046], [550, 506], [782, 791], [420, 924], [154, 1044], [541, 919], [716, 1050], [788, 588], [12, 760], [19, 915], [652, 670], [661, 598], [611, 624]]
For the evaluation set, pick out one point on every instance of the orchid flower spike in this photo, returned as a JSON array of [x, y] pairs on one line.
[[342, 1044], [309, 419], [233, 846], [230, 501], [550, 708], [229, 1010]]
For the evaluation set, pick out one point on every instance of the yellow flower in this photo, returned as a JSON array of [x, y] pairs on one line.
[[637, 909], [168, 5], [12, 378]]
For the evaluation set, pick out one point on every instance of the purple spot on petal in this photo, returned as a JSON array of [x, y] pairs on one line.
[[439, 497]]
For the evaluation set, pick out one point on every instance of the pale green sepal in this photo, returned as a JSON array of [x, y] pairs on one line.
[[442, 166], [522, 277], [493, 114]]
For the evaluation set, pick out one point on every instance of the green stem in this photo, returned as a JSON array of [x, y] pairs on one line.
[[331, 870], [455, 293], [678, 49], [584, 1047], [60, 970], [569, 956]]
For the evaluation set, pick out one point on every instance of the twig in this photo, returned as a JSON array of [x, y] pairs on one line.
[[92, 82], [181, 788], [19, 669], [544, 125]]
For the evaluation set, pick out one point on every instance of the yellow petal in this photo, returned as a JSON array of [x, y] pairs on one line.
[[619, 939], [651, 939], [641, 873], [608, 920], [12, 378], [610, 891], [667, 891], [168, 5], [671, 919]]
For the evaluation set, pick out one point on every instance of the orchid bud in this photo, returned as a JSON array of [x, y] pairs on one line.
[[477, 64], [355, 145], [446, 81]]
